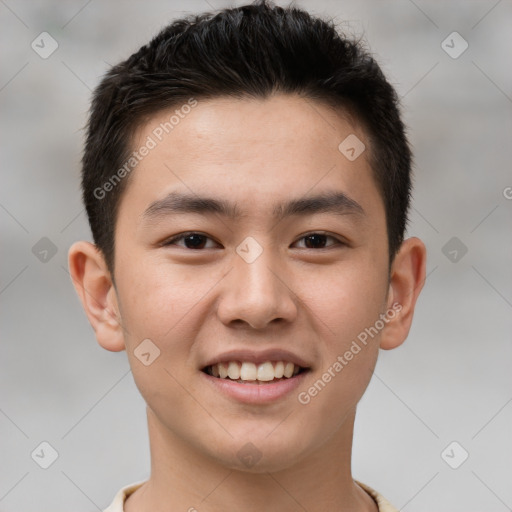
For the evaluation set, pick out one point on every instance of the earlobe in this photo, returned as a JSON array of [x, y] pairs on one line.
[[406, 281], [93, 284]]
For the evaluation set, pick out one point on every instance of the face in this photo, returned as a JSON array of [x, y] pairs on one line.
[[250, 282]]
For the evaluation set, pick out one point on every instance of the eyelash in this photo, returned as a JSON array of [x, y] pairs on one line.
[[172, 241]]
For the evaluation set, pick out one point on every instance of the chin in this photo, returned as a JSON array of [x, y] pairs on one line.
[[260, 454]]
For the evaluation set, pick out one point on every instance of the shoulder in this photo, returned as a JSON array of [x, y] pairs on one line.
[[382, 503], [117, 504]]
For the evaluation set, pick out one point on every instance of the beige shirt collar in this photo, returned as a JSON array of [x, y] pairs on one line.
[[118, 504]]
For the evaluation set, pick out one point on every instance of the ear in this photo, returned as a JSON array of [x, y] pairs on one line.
[[406, 281], [93, 283]]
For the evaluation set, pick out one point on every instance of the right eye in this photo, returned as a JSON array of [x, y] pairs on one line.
[[192, 239]]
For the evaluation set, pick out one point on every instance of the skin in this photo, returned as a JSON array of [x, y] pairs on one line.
[[194, 304]]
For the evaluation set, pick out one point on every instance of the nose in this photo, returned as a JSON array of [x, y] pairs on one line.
[[257, 293]]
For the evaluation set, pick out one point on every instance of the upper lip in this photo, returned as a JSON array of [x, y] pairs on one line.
[[257, 357]]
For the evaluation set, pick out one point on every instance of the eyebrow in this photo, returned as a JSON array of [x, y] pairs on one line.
[[178, 203]]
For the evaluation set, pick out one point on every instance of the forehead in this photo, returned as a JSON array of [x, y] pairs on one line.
[[258, 152]]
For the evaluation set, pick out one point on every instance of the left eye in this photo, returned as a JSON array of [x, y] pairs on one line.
[[196, 241], [316, 239]]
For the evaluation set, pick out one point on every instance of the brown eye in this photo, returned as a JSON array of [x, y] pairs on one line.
[[318, 241], [191, 240]]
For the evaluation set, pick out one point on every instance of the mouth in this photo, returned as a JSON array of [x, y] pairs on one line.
[[248, 372]]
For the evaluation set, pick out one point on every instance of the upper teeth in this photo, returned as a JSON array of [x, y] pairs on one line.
[[266, 371]]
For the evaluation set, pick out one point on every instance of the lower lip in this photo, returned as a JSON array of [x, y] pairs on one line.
[[256, 393]]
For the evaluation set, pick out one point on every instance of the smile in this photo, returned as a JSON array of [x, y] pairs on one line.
[[250, 373], [255, 383]]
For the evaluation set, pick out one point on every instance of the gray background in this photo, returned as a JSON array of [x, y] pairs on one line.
[[451, 380]]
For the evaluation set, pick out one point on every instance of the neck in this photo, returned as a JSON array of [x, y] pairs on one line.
[[182, 478]]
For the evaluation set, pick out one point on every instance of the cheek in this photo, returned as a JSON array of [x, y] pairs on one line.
[[345, 300], [156, 310], [156, 301], [346, 313], [346, 306]]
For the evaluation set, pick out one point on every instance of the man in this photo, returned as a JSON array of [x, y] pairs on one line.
[[247, 181]]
